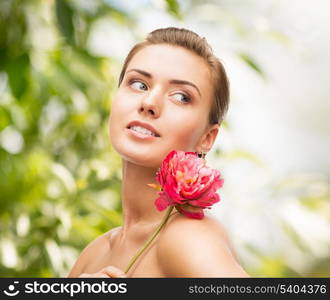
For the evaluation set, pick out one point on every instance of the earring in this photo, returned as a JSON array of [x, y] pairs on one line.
[[202, 154]]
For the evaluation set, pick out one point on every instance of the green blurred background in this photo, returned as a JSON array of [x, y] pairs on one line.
[[60, 178]]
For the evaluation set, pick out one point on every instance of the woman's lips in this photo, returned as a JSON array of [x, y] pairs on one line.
[[143, 125], [140, 135]]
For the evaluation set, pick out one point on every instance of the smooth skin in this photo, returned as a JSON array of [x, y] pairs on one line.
[[153, 91]]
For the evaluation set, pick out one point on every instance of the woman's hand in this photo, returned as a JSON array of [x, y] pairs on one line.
[[106, 272]]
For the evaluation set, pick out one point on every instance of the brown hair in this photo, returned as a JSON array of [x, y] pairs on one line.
[[191, 41]]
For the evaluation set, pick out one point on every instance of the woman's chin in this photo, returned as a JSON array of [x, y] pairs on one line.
[[143, 154], [140, 159]]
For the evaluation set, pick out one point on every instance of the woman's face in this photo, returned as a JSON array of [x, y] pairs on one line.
[[168, 88]]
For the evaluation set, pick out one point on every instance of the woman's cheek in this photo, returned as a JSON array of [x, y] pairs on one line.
[[184, 136], [119, 110], [114, 122]]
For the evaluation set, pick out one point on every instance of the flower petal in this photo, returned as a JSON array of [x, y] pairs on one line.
[[162, 202], [194, 215]]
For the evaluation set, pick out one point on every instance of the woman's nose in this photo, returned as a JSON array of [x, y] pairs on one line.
[[150, 105]]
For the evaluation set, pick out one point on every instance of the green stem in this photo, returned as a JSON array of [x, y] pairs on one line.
[[160, 226]]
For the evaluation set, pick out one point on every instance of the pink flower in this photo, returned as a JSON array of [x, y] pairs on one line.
[[186, 182]]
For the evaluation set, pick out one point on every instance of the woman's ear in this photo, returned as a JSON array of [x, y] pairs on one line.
[[208, 138]]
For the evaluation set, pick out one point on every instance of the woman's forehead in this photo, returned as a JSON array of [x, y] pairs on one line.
[[171, 62]]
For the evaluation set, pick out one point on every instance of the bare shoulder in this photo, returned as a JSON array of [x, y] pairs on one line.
[[98, 245], [197, 248], [180, 226]]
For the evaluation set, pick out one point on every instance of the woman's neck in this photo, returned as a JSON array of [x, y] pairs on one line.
[[138, 198]]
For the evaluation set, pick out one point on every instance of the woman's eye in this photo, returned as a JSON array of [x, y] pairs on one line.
[[182, 97], [138, 85]]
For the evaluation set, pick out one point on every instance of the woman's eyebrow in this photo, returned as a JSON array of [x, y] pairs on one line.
[[173, 81]]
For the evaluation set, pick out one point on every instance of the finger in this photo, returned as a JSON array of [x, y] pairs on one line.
[[113, 272], [95, 275], [100, 275]]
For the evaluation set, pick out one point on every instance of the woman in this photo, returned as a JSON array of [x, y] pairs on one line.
[[173, 94]]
